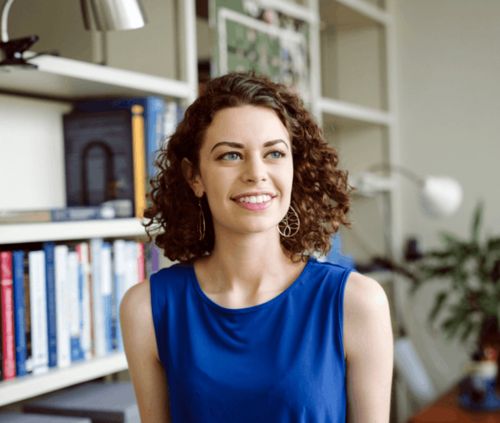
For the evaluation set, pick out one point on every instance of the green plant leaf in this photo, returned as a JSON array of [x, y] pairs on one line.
[[450, 240], [469, 326], [493, 244], [438, 305], [476, 223], [451, 325]]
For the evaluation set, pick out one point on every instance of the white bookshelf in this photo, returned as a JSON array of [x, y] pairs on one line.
[[29, 386], [66, 81], [61, 231]]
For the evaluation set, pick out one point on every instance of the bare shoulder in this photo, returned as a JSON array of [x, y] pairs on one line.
[[136, 313], [364, 301], [146, 369]]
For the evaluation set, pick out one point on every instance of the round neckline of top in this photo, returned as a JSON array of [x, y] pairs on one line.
[[213, 304]]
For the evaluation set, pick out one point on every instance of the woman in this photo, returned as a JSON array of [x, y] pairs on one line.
[[249, 327]]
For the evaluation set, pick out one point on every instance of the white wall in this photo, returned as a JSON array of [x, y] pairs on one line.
[[449, 97]]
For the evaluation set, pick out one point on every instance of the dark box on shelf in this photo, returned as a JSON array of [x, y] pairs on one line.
[[37, 418], [101, 402]]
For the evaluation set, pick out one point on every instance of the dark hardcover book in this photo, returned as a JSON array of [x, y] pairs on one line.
[[154, 114], [99, 157], [99, 401], [38, 418], [50, 281]]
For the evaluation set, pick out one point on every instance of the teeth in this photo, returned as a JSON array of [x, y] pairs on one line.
[[255, 199]]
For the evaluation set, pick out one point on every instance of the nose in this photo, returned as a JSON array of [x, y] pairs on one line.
[[255, 170]]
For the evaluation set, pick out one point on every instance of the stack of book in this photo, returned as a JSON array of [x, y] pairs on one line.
[[60, 301]]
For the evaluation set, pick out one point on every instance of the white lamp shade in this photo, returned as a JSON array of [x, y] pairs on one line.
[[440, 196]]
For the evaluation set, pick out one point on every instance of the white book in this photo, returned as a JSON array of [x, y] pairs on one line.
[[38, 309], [97, 303], [131, 264], [106, 293], [119, 263], [86, 308], [74, 306], [62, 307]]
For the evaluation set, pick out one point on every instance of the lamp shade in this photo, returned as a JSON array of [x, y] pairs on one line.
[[440, 196], [111, 15]]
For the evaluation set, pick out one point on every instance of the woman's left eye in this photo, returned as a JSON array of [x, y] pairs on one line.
[[276, 154]]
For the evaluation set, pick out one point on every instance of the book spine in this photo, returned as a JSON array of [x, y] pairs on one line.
[[8, 344], [140, 262], [71, 214], [155, 131], [119, 256], [106, 290], [48, 248], [86, 300], [97, 303], [27, 315], [131, 263], [74, 281], [19, 307], [62, 307], [38, 300], [139, 157]]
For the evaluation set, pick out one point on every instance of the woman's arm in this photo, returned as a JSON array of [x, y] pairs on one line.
[[146, 370], [369, 348]]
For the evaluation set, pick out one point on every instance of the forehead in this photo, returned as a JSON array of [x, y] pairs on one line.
[[245, 124]]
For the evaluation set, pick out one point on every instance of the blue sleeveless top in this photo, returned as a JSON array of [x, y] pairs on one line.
[[280, 361]]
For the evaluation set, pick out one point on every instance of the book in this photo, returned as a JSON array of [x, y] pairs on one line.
[[85, 283], [119, 263], [154, 116], [75, 291], [63, 214], [7, 311], [104, 158], [19, 311], [63, 311], [106, 294], [99, 334], [38, 303], [101, 402], [50, 283]]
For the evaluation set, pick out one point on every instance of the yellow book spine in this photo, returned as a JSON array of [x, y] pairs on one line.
[[139, 150]]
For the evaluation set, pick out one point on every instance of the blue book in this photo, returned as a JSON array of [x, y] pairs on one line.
[[19, 312], [50, 281], [154, 112]]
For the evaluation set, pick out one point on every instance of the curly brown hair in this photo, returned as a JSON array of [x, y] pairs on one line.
[[174, 213]]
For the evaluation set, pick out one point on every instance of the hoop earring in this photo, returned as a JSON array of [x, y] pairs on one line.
[[201, 222], [291, 222]]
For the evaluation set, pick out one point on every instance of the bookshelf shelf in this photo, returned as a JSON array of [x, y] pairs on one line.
[[68, 79], [29, 386], [354, 112], [58, 231]]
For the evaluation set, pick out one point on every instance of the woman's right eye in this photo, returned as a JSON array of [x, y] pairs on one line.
[[230, 156]]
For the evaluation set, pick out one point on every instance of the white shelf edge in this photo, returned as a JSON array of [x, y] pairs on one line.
[[111, 76], [59, 231], [21, 388], [368, 10], [352, 111]]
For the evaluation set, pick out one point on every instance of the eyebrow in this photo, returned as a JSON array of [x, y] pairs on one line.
[[238, 145]]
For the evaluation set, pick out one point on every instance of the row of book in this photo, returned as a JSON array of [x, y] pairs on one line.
[[60, 301]]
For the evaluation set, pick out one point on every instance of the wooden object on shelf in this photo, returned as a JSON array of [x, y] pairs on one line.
[[38, 418]]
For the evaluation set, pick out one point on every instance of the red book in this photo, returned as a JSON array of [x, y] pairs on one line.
[[9, 357], [141, 268]]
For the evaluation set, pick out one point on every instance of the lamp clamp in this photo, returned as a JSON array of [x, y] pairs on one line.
[[13, 51]]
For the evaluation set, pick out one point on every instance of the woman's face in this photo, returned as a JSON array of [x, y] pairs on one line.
[[246, 170]]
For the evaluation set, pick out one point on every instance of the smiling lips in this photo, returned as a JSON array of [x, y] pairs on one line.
[[254, 202]]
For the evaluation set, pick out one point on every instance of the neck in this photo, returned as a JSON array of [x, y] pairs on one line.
[[247, 264]]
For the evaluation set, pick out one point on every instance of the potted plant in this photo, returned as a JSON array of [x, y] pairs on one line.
[[469, 273]]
